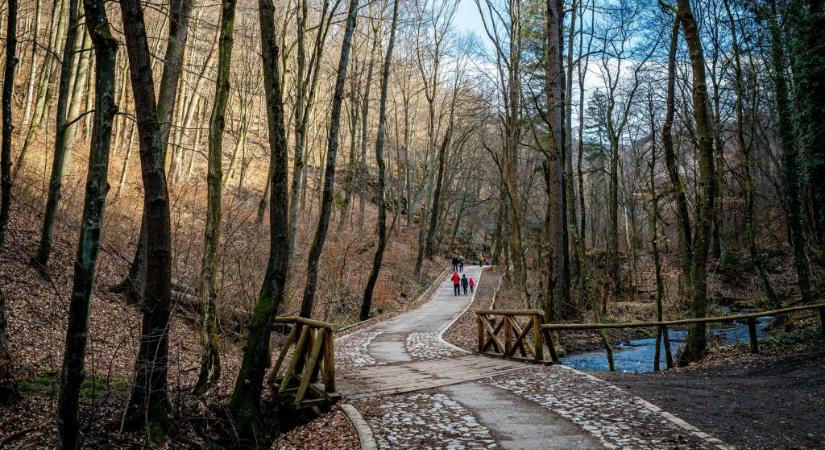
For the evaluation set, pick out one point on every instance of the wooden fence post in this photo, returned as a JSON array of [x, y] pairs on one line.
[[329, 363], [481, 333], [822, 320], [538, 345], [548, 337], [752, 333], [508, 331]]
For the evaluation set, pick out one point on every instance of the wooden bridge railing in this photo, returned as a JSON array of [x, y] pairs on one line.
[[312, 360], [749, 317], [505, 332]]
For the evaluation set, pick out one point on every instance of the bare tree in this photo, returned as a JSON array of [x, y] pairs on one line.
[[74, 355]]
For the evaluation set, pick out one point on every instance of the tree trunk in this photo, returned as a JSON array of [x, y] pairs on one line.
[[245, 401], [8, 96], [329, 172], [808, 49], [210, 371], [379, 159], [80, 75], [149, 405], [696, 341], [682, 214], [61, 146], [72, 373], [8, 386], [363, 172], [32, 68], [554, 166], [180, 11], [439, 181], [745, 149], [791, 173]]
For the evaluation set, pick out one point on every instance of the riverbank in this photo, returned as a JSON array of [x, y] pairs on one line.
[[773, 400]]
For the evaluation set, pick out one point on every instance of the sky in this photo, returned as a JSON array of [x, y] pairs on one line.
[[467, 18]]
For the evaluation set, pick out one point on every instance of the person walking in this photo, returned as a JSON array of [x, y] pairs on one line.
[[464, 283], [472, 284], [461, 264], [456, 284]]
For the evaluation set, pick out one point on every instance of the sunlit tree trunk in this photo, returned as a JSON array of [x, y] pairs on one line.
[[366, 304], [308, 300], [61, 147], [8, 94]]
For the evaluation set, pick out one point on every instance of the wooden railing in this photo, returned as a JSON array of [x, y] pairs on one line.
[[749, 317], [505, 332], [312, 360]]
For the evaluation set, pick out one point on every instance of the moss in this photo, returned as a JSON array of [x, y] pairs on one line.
[[47, 383]]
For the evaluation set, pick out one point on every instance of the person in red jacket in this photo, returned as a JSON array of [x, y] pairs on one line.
[[456, 284]]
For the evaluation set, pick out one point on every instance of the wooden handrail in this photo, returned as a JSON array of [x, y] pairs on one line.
[[511, 312], [305, 321], [729, 318]]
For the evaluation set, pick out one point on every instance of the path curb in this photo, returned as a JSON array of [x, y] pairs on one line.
[[362, 428]]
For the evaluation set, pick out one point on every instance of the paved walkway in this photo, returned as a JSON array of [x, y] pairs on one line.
[[415, 390]]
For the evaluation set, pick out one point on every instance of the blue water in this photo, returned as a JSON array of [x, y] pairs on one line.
[[638, 354]]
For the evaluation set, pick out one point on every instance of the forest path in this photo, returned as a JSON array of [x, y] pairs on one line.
[[416, 390]]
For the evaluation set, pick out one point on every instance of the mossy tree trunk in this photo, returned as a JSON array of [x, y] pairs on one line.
[[791, 173], [366, 304], [208, 319], [72, 372], [317, 246], [246, 397], [807, 44]]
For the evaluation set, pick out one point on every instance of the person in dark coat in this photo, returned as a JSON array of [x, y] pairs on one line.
[[464, 283]]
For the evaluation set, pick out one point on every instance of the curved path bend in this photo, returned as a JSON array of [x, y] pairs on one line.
[[415, 390]]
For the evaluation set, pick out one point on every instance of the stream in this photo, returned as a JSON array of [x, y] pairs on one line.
[[637, 355]]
